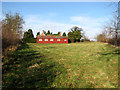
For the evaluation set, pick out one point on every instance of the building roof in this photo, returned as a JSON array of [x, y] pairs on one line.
[[49, 36]]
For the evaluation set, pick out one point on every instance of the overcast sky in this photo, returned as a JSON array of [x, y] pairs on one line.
[[61, 16]]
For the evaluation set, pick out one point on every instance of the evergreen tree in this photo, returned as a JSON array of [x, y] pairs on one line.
[[38, 33], [29, 37], [64, 34], [30, 33], [58, 33], [45, 33], [48, 33]]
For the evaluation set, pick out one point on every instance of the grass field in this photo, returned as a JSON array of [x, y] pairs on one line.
[[76, 65]]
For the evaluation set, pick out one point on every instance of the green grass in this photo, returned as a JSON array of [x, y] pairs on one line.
[[76, 65]]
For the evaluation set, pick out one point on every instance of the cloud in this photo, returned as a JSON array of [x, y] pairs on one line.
[[91, 26], [79, 18], [37, 24]]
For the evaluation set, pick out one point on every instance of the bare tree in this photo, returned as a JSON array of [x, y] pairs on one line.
[[111, 30], [11, 30], [14, 23]]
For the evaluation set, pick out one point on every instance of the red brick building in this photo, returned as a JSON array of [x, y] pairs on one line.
[[51, 39]]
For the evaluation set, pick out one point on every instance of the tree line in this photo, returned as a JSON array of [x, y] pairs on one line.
[[74, 35], [111, 31], [12, 33], [28, 36]]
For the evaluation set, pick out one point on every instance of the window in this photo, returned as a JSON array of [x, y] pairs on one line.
[[65, 40], [58, 39], [40, 39], [46, 40], [51, 39]]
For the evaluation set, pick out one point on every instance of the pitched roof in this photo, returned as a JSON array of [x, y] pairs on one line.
[[49, 36]]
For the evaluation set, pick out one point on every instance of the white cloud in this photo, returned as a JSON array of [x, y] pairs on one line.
[[91, 26], [37, 24], [79, 18]]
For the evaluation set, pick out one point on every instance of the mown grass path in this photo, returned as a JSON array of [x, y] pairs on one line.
[[77, 65]]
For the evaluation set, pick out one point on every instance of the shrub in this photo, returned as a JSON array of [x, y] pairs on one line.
[[29, 37], [11, 30]]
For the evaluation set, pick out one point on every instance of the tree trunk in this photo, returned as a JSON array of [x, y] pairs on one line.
[[116, 37]]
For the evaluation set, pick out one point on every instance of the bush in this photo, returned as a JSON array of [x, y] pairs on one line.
[[9, 38], [29, 40], [113, 41], [29, 37], [11, 31]]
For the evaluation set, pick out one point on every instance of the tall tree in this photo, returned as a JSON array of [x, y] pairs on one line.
[[75, 34], [30, 33], [58, 33], [71, 37], [112, 31], [28, 37], [76, 28], [48, 33], [15, 23], [45, 33], [38, 33], [12, 26], [64, 34]]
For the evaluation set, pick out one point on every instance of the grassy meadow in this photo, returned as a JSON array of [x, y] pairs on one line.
[[74, 65]]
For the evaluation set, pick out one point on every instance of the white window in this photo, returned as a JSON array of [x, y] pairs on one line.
[[46, 40], [65, 40], [40, 39], [51, 39], [58, 39]]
